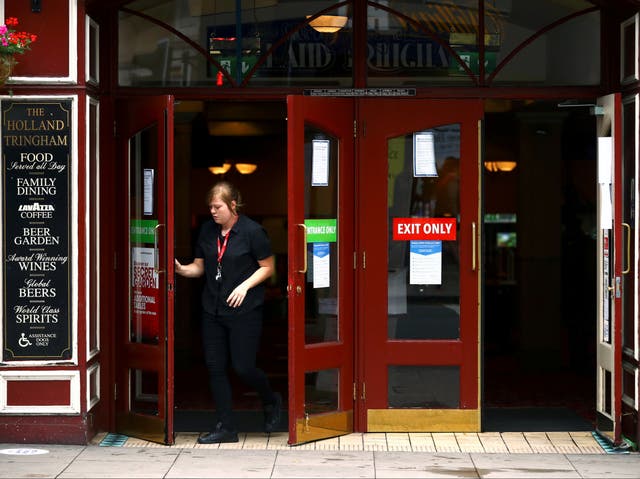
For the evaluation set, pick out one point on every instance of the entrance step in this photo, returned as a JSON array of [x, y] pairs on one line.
[[570, 442]]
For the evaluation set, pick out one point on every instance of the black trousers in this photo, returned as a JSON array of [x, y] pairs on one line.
[[233, 340]]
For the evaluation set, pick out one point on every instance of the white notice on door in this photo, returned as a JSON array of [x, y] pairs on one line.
[[320, 163], [424, 155], [425, 262], [606, 207], [148, 191], [321, 270], [605, 156]]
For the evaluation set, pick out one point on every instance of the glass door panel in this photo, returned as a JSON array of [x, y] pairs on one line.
[[144, 287], [320, 222], [424, 302]]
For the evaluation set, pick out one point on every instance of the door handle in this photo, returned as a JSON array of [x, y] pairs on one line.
[[156, 266], [628, 248], [473, 246], [304, 249]]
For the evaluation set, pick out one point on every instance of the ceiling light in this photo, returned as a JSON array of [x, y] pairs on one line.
[[246, 168], [495, 166], [328, 23], [220, 170]]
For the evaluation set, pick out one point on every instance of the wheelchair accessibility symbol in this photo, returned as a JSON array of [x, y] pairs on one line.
[[23, 341]]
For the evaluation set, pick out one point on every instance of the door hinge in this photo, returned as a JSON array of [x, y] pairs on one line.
[[363, 394], [355, 260], [355, 129], [115, 129], [355, 393], [115, 391], [364, 260]]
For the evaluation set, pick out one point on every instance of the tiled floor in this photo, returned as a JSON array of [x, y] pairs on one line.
[[487, 442]]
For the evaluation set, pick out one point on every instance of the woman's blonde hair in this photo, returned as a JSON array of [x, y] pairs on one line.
[[227, 193]]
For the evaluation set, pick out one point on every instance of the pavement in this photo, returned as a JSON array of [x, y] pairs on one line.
[[96, 461]]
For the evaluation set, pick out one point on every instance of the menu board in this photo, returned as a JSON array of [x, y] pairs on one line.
[[36, 151]]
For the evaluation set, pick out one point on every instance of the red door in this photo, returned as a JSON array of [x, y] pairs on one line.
[[615, 285], [384, 330], [321, 267], [630, 420], [144, 332], [418, 236]]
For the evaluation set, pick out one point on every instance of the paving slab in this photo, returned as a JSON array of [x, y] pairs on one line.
[[332, 444], [28, 461], [351, 442], [516, 466], [422, 442], [210, 463], [610, 465], [586, 443], [324, 464], [469, 442], [516, 443], [278, 440], [374, 441], [539, 442], [121, 462], [492, 442], [445, 442], [412, 465], [398, 441]]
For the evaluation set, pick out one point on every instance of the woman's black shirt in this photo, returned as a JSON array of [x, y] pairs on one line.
[[248, 243]]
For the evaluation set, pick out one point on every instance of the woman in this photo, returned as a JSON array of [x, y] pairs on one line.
[[234, 254]]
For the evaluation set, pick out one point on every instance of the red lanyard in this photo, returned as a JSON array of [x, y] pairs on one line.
[[224, 246]]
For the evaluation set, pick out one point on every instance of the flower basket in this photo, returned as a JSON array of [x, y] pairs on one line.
[[7, 62], [12, 42]]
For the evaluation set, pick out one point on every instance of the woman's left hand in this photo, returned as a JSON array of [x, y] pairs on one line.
[[236, 297]]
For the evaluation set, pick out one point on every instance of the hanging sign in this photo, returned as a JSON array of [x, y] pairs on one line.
[[36, 150], [405, 229]]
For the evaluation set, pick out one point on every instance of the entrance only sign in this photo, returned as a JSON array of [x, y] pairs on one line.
[[405, 229]]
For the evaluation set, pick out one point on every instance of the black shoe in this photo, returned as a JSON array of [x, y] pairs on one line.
[[272, 414], [218, 435]]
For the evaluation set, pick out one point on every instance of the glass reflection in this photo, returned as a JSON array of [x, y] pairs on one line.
[[427, 306], [321, 391], [433, 387], [144, 292], [144, 392], [196, 44], [409, 43]]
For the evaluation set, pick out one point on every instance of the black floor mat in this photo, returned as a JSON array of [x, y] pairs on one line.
[[533, 419], [202, 421]]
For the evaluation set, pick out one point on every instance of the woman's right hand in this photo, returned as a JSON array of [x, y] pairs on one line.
[[178, 267], [191, 270]]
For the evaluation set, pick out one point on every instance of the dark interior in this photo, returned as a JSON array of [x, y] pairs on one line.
[[539, 309]]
